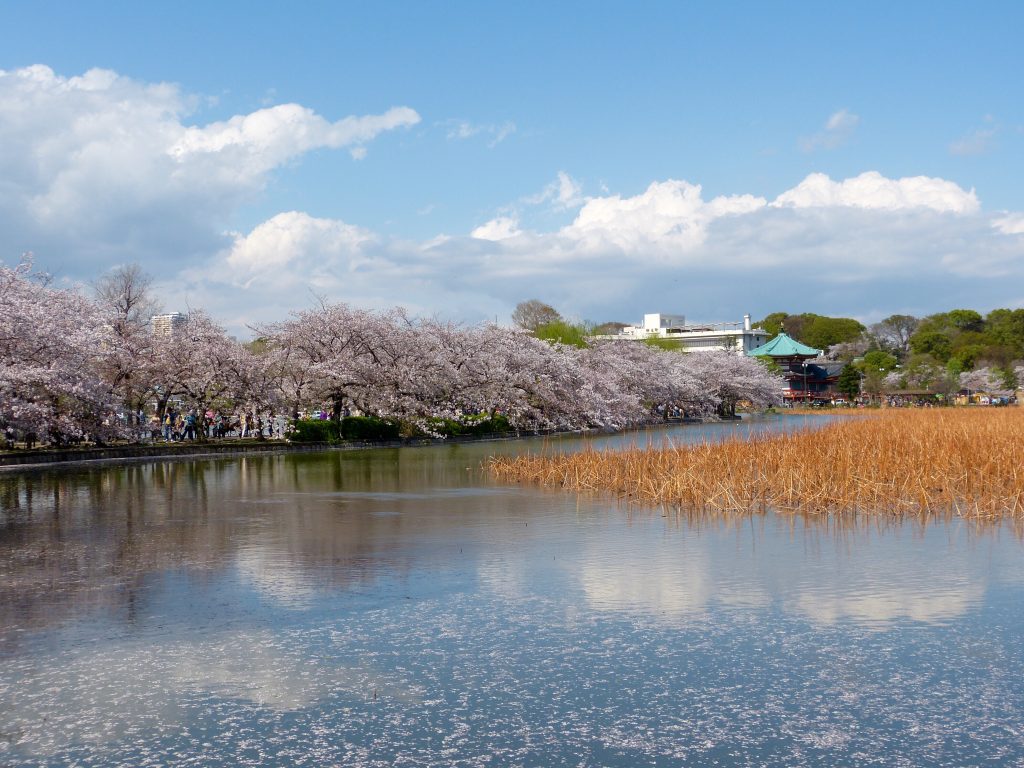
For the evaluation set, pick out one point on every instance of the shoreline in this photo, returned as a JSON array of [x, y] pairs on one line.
[[34, 460], [59, 458]]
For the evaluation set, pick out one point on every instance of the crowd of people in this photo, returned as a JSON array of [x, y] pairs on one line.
[[194, 424]]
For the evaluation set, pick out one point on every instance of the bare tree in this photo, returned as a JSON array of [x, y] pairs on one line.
[[534, 313], [124, 296], [126, 292], [895, 331]]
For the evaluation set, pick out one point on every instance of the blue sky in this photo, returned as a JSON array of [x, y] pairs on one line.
[[568, 137]]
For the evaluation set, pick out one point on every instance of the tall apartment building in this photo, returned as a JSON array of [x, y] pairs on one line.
[[168, 324]]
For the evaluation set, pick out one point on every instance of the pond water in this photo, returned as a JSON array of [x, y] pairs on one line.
[[398, 607]]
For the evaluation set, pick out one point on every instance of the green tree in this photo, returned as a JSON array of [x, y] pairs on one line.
[[935, 343], [965, 358], [609, 328], [772, 324], [849, 381], [563, 332], [793, 325], [660, 342], [818, 331], [1005, 328], [822, 332], [966, 320], [877, 360]]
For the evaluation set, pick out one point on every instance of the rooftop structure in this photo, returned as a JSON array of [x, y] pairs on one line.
[[784, 346], [735, 337]]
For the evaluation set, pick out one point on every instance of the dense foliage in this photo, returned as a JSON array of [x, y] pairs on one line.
[[906, 352], [73, 367], [817, 331]]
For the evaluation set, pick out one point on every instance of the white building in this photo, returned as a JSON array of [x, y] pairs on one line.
[[736, 337], [166, 325]]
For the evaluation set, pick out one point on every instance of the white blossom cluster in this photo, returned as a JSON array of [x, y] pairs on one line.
[[72, 368]]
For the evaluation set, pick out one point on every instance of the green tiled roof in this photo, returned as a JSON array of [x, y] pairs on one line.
[[784, 345]]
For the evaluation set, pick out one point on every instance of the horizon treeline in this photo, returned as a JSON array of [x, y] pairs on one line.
[[959, 339], [938, 352], [74, 366]]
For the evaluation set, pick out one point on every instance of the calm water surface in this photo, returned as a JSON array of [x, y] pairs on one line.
[[397, 607]]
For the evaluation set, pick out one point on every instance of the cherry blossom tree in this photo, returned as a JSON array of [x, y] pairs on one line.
[[74, 367], [200, 364], [730, 378], [392, 365], [988, 380], [325, 355], [52, 347]]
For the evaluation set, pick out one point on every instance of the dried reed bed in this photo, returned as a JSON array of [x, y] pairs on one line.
[[967, 462]]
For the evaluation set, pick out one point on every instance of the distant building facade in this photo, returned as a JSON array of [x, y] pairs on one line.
[[734, 337], [167, 324]]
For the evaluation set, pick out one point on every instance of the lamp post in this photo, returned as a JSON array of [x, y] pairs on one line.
[[806, 397]]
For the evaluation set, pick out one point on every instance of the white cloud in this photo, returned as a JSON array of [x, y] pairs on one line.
[[840, 247], [500, 228], [669, 215], [101, 169], [837, 131], [105, 169], [1011, 224], [288, 239], [871, 190], [562, 193], [267, 138]]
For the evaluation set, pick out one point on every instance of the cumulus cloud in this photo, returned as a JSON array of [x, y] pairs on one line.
[[837, 131], [853, 246], [286, 240], [668, 216], [106, 169], [101, 169], [500, 228], [287, 261], [874, 191]]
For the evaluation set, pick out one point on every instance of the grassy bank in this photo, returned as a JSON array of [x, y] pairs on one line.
[[895, 462]]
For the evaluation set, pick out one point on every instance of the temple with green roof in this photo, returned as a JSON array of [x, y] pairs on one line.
[[784, 347], [808, 378]]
